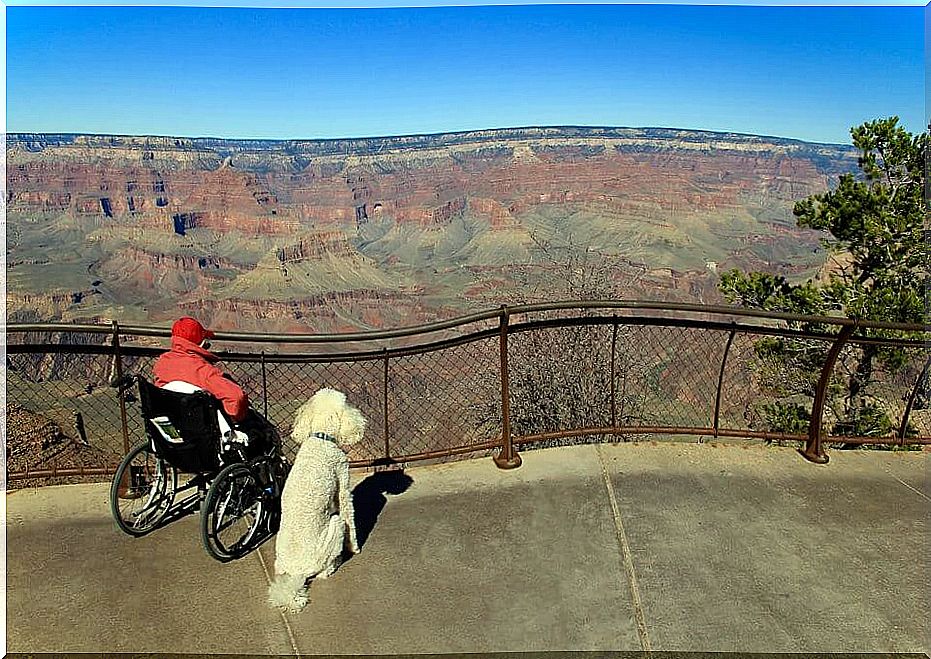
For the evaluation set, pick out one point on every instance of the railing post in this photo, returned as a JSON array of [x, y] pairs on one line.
[[910, 402], [384, 353], [813, 451], [613, 371], [120, 385], [264, 387], [717, 397], [507, 458]]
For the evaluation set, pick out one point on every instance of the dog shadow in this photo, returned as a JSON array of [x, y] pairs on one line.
[[369, 498]]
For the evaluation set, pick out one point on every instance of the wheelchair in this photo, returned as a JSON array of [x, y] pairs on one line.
[[187, 463]]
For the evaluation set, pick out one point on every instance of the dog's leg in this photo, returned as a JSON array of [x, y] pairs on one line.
[[331, 549], [346, 511], [288, 591]]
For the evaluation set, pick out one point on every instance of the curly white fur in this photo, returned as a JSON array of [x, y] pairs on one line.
[[317, 518]]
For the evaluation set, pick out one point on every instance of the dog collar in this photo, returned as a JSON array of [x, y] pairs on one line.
[[324, 436]]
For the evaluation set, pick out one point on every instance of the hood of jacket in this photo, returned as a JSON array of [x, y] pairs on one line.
[[182, 345]]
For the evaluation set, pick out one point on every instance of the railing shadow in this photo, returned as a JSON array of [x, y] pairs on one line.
[[369, 498]]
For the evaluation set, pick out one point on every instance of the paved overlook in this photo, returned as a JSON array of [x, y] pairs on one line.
[[612, 548]]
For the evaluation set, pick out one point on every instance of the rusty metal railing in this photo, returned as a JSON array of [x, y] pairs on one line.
[[489, 382]]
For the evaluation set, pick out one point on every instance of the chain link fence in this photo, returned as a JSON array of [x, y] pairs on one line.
[[572, 373]]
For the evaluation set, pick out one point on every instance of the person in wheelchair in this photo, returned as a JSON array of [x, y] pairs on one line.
[[189, 366]]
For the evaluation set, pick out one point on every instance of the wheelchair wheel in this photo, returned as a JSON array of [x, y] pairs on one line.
[[233, 513], [142, 491]]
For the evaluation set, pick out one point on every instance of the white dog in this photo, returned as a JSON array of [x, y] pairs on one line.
[[317, 519]]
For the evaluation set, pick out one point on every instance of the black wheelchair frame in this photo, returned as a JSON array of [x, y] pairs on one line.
[[237, 491]]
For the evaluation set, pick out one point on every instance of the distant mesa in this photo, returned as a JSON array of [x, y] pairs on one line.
[[452, 221]]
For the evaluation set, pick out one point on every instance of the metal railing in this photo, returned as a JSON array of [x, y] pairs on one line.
[[489, 382]]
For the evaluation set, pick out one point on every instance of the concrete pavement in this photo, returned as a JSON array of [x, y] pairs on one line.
[[673, 547]]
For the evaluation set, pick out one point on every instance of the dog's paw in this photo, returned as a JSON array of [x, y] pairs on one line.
[[297, 604], [288, 592], [329, 569]]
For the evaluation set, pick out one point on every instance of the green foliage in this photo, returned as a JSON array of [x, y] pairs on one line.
[[867, 420], [806, 355], [786, 417], [761, 290], [874, 225], [878, 220]]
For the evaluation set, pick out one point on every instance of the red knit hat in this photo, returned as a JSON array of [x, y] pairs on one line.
[[188, 328]]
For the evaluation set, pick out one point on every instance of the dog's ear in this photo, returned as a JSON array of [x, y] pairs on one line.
[[303, 422], [352, 426]]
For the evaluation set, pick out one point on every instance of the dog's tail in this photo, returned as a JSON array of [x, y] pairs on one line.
[[287, 592]]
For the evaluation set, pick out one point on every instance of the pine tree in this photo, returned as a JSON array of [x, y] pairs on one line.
[[876, 230]]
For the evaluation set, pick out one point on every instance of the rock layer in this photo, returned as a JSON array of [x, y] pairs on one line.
[[163, 224]]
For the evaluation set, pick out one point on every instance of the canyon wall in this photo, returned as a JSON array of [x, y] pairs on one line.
[[425, 225]]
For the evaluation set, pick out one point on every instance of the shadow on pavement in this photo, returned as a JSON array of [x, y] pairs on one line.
[[368, 498]]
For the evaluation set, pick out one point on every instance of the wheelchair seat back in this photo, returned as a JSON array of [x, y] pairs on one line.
[[196, 448]]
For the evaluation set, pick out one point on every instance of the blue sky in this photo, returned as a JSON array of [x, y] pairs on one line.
[[802, 72]]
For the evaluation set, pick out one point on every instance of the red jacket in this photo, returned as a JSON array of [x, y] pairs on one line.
[[190, 363]]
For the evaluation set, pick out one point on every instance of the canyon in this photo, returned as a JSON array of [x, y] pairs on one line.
[[366, 233]]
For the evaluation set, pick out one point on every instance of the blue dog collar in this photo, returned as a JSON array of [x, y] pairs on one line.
[[324, 436]]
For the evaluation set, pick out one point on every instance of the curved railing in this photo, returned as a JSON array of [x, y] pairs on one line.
[[494, 381]]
